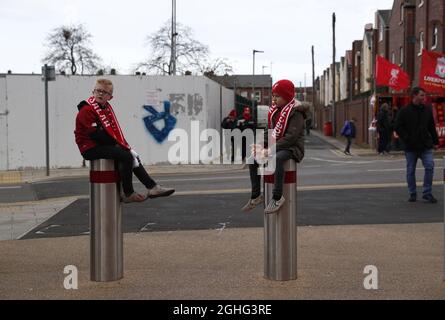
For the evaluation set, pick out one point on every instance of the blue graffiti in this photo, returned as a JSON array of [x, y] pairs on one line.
[[169, 120]]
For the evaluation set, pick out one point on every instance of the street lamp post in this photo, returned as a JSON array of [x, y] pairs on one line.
[[48, 74], [172, 69], [253, 84], [264, 67]]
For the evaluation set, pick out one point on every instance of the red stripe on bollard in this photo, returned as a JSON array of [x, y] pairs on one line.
[[104, 176], [289, 177]]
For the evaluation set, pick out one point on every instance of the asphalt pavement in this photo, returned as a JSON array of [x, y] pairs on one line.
[[198, 245]]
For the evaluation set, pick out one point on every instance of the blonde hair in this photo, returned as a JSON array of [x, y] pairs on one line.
[[105, 82]]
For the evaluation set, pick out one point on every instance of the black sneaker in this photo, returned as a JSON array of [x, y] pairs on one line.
[[429, 198], [412, 198]]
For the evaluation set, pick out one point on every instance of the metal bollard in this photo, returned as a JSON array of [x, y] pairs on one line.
[[106, 240], [280, 229]]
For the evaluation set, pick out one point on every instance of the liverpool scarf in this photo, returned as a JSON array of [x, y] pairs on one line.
[[109, 122], [284, 113]]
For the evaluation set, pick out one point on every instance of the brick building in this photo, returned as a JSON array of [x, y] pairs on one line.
[[430, 19], [356, 66], [402, 35], [416, 25], [242, 85], [381, 40]]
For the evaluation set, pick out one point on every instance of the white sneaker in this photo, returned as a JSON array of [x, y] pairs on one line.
[[157, 191], [274, 206], [253, 203], [134, 197]]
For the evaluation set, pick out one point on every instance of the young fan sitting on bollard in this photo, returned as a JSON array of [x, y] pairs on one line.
[[99, 136], [286, 118]]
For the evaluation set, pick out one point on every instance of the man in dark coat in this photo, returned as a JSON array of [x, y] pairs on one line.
[[417, 131]]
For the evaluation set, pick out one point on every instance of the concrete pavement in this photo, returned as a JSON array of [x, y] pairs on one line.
[[228, 263]]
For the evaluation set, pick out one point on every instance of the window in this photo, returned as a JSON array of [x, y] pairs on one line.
[[421, 42], [258, 96], [381, 31], [402, 12], [393, 57], [401, 56], [435, 37]]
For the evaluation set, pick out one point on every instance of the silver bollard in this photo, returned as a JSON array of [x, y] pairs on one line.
[[280, 229], [106, 240]]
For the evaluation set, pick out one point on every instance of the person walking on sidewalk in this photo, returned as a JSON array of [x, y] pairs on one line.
[[286, 119], [349, 132], [230, 123], [384, 129], [416, 128], [99, 136]]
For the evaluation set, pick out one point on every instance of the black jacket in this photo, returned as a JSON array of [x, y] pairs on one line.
[[383, 123], [416, 128], [228, 123]]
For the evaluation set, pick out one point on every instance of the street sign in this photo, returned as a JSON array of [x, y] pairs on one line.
[[48, 73]]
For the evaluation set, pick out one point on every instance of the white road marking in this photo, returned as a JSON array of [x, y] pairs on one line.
[[223, 227], [238, 177], [205, 179], [341, 161], [401, 169], [308, 188], [145, 228], [10, 188], [387, 170]]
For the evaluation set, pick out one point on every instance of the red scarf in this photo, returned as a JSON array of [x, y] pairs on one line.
[[109, 122], [280, 127]]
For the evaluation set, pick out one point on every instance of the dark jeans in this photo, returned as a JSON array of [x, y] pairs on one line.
[[125, 161], [255, 179], [411, 164], [384, 139], [348, 144]]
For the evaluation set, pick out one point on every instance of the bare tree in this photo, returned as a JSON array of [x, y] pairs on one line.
[[191, 55], [69, 48], [218, 66]]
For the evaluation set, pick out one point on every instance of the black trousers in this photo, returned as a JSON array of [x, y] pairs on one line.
[[255, 179], [125, 161], [384, 140], [348, 144]]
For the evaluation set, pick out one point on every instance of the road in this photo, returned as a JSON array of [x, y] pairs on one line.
[[333, 189]]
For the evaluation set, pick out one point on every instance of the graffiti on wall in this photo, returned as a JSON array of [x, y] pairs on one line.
[[179, 103], [160, 135], [191, 104]]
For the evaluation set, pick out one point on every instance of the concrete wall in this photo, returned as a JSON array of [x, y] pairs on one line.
[[192, 99], [3, 124]]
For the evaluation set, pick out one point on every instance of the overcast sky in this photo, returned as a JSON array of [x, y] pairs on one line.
[[284, 29]]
